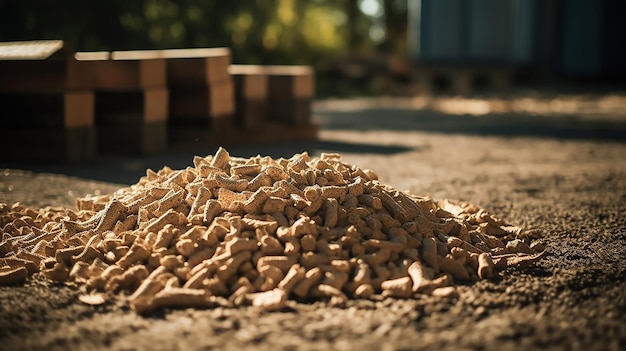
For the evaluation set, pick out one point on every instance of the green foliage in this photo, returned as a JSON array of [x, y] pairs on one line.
[[258, 31], [312, 32]]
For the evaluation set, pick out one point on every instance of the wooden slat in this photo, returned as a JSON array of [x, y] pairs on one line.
[[29, 50], [53, 76], [291, 82], [251, 81], [187, 67], [125, 72], [290, 92], [197, 67], [251, 89], [79, 109], [41, 66]]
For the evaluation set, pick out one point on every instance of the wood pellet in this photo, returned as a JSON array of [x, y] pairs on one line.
[[259, 231]]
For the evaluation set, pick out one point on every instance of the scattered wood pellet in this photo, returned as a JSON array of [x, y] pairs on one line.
[[259, 231]]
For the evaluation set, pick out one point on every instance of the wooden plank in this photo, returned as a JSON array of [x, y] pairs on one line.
[[50, 76], [290, 92], [41, 66], [54, 110], [148, 138], [48, 144], [120, 108], [197, 67], [290, 81], [79, 109], [128, 75], [251, 90], [29, 50], [202, 103], [156, 105], [125, 70], [251, 81]]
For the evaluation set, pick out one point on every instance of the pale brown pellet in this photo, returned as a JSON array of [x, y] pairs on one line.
[[221, 158], [259, 231], [271, 300], [13, 275], [311, 277], [485, 266]]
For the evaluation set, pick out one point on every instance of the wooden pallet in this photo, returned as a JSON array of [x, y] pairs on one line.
[[201, 91], [124, 70], [279, 94], [131, 101], [291, 90], [42, 66], [46, 105], [132, 98], [203, 67], [251, 92]]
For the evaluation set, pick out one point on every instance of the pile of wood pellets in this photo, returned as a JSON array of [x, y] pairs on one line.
[[259, 231]]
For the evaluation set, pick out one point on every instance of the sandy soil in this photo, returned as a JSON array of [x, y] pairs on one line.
[[564, 175]]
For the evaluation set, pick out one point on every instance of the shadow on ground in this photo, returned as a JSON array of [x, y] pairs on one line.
[[128, 169], [504, 125]]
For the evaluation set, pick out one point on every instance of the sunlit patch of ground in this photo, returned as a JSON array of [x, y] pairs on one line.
[[606, 106]]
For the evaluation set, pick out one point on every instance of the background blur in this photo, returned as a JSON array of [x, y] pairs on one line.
[[358, 47]]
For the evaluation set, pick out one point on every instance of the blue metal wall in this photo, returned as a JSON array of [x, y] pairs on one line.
[[581, 38], [593, 38], [474, 31]]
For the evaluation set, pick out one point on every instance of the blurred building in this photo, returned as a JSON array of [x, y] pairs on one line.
[[579, 39]]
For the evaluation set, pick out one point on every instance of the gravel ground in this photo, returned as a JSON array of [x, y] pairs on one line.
[[564, 175]]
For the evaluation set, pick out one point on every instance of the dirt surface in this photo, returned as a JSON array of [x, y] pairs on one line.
[[564, 175]]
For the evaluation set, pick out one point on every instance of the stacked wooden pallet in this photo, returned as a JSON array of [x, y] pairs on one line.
[[61, 105], [131, 101], [251, 86], [272, 104], [201, 93], [46, 105], [215, 102], [290, 91]]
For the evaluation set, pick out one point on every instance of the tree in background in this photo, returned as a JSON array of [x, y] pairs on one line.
[[257, 31]]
